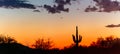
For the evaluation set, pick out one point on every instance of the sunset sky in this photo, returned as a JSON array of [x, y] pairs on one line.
[[27, 26]]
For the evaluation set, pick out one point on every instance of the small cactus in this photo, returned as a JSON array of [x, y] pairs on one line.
[[77, 39]]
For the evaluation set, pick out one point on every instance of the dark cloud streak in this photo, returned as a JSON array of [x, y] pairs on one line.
[[36, 10], [16, 4], [113, 26]]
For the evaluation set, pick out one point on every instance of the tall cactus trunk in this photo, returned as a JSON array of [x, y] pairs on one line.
[[77, 39], [76, 36], [77, 45]]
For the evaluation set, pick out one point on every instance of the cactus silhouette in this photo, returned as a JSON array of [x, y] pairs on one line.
[[77, 39]]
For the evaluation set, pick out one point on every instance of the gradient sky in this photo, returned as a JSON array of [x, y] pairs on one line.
[[26, 26]]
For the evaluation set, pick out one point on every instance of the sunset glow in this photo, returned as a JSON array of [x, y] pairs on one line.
[[26, 26]]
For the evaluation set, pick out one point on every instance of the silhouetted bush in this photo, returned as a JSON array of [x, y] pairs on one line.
[[6, 39], [43, 44], [108, 42]]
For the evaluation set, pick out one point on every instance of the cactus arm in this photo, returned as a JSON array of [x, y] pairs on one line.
[[74, 38], [80, 38]]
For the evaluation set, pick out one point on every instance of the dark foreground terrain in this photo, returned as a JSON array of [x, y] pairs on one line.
[[108, 45], [15, 48]]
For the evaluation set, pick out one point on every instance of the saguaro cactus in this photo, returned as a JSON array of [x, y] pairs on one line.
[[77, 39]]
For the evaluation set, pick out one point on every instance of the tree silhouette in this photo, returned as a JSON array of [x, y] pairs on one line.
[[43, 44], [7, 39], [108, 42]]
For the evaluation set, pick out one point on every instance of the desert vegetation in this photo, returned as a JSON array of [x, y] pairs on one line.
[[107, 45]]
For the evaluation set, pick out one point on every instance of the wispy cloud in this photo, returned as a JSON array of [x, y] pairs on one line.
[[113, 26], [104, 6]]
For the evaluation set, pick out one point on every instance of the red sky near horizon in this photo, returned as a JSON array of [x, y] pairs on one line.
[[26, 26]]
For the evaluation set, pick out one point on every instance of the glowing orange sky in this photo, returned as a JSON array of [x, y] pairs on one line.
[[28, 26]]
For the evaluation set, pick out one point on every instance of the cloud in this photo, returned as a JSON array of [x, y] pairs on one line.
[[89, 8], [112, 26], [56, 9], [36, 10], [104, 6], [59, 7], [16, 4]]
